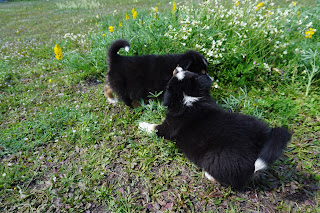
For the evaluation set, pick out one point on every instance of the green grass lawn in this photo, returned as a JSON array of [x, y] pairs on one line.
[[63, 148]]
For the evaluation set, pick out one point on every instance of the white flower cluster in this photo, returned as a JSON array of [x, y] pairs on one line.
[[79, 39], [218, 31]]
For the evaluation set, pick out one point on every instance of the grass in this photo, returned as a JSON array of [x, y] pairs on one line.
[[63, 148]]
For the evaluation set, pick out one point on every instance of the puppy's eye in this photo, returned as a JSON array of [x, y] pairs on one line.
[[203, 71]]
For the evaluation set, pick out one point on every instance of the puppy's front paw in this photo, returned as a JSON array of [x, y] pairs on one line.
[[112, 100], [209, 177], [147, 127]]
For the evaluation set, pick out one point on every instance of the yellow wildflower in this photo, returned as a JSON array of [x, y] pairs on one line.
[[134, 15], [127, 16], [18, 39], [14, 188], [58, 52], [91, 20], [50, 80], [17, 31], [237, 3], [159, 3], [133, 9], [174, 7], [103, 35], [156, 9], [259, 5], [120, 24], [149, 26], [155, 15], [298, 13], [294, 3], [309, 33], [111, 29]]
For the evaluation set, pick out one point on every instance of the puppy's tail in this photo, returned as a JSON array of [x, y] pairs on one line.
[[277, 141], [116, 46]]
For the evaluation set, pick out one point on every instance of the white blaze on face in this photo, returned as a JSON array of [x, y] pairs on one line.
[[189, 100], [126, 48], [259, 165], [180, 75]]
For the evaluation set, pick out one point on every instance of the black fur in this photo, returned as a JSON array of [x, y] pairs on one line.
[[226, 145], [134, 77]]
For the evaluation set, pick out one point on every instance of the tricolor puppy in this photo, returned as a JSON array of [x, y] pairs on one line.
[[133, 78], [230, 147]]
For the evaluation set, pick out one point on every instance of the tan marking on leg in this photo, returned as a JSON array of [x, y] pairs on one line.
[[108, 93]]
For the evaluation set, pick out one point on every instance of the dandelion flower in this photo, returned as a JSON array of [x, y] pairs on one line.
[[174, 7], [134, 15], [58, 52], [259, 5], [103, 35], [50, 80], [111, 29], [309, 33], [127, 16]]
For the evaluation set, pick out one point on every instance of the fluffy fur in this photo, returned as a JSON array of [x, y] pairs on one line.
[[230, 147], [132, 78]]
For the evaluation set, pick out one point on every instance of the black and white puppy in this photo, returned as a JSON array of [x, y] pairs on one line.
[[230, 147], [133, 78]]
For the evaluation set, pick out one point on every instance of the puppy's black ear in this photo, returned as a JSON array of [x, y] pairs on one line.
[[188, 65], [205, 61], [185, 63], [204, 82]]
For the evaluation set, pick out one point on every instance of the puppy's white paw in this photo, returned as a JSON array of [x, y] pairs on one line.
[[149, 128], [112, 100], [209, 177]]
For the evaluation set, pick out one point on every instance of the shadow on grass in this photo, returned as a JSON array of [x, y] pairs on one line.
[[289, 183]]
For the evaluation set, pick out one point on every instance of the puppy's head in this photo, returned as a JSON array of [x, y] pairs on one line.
[[186, 89], [194, 62]]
